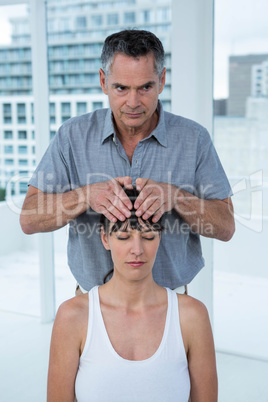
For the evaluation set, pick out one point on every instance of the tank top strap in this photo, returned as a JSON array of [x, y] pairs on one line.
[[175, 326], [92, 303]]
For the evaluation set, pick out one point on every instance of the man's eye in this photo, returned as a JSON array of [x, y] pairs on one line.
[[120, 89], [146, 87]]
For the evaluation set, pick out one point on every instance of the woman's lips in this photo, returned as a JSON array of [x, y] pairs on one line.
[[136, 263]]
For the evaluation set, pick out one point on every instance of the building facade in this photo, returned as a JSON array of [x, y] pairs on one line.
[[76, 32], [240, 81]]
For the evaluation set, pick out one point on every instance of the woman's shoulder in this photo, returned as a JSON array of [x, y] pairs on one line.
[[194, 306], [193, 313], [73, 311]]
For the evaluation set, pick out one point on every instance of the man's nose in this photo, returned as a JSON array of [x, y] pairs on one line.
[[133, 99]]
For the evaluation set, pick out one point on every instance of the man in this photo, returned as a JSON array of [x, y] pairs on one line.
[[171, 160]]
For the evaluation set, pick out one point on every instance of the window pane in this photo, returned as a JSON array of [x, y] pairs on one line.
[[240, 133], [97, 105], [112, 19], [22, 149], [129, 18], [96, 20], [7, 113], [8, 134], [18, 252], [81, 22], [22, 135], [8, 149], [81, 108]]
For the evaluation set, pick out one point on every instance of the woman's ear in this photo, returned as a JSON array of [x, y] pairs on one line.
[[104, 239]]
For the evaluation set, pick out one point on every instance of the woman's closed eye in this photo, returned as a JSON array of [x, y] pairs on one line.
[[122, 237], [149, 237]]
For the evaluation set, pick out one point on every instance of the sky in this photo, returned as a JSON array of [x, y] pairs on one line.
[[241, 27]]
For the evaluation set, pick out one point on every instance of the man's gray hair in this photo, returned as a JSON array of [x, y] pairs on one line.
[[133, 43]]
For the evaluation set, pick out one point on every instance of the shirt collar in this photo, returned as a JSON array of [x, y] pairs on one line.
[[159, 132]]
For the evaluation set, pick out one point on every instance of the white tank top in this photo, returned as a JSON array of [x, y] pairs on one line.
[[104, 376]]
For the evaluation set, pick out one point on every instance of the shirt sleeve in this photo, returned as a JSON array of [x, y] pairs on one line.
[[210, 179], [52, 173]]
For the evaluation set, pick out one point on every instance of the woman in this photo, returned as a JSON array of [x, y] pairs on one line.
[[131, 339]]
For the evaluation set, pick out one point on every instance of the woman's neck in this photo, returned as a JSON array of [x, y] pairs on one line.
[[131, 295]]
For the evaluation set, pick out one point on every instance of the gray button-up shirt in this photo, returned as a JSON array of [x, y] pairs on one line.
[[178, 151]]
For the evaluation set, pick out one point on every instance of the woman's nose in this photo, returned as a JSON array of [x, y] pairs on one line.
[[136, 247]]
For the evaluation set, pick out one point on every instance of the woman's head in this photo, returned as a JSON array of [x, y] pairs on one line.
[[133, 243]]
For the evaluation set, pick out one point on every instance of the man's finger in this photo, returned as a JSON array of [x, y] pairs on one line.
[[143, 196], [116, 212], [109, 216], [158, 215], [151, 208], [125, 181], [116, 202], [140, 183], [123, 198]]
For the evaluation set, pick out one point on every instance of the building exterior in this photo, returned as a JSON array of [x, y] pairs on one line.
[[259, 79], [76, 31], [220, 107], [240, 81]]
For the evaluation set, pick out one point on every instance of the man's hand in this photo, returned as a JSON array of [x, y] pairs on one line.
[[154, 199], [210, 218], [108, 198]]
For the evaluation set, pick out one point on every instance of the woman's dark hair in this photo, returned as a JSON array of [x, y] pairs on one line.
[[133, 43], [133, 222]]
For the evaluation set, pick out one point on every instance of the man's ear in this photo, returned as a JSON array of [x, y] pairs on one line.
[[103, 81], [162, 80], [104, 239]]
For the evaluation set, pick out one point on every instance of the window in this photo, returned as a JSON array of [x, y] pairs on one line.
[[112, 19], [65, 111], [8, 135], [81, 108], [146, 16], [240, 134], [52, 134], [64, 24], [163, 14], [129, 18], [21, 113], [96, 20], [7, 112], [8, 149], [22, 135], [33, 149], [22, 149], [23, 187], [52, 111], [9, 162], [23, 162], [97, 105], [81, 22], [32, 112], [33, 134]]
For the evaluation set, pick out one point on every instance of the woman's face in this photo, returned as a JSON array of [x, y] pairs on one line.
[[133, 251]]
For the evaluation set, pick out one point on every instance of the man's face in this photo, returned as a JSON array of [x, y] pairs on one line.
[[133, 87]]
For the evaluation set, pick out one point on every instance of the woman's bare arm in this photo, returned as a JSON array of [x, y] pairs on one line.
[[68, 336], [199, 345]]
